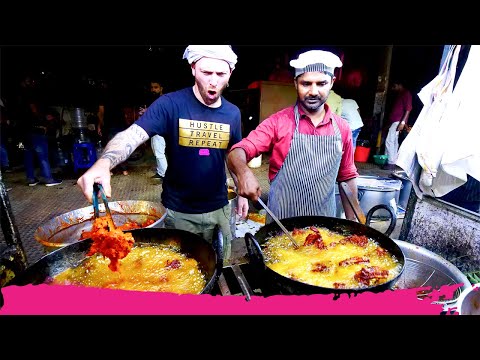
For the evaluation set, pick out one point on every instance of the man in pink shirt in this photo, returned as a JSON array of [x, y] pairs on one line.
[[401, 108], [311, 147]]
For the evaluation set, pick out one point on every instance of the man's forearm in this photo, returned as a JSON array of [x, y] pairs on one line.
[[247, 184], [349, 213], [237, 161], [124, 144], [405, 117]]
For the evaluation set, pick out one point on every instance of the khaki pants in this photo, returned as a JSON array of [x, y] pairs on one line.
[[204, 225]]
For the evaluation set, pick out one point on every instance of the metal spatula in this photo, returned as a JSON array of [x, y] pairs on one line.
[[294, 243]]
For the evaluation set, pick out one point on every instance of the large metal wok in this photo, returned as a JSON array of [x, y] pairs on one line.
[[209, 257], [13, 264], [275, 284]]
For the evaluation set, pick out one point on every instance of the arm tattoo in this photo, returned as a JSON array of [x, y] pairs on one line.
[[124, 144]]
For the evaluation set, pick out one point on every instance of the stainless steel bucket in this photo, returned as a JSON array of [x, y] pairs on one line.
[[372, 191], [376, 190], [406, 187]]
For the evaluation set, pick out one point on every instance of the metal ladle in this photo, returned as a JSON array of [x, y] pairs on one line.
[[294, 243]]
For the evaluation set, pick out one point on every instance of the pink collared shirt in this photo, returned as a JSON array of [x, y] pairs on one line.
[[275, 134], [402, 104]]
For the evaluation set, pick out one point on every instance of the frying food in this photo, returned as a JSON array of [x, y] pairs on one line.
[[148, 267], [331, 260], [257, 217], [129, 225], [113, 244]]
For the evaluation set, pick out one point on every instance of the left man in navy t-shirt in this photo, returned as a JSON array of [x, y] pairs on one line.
[[199, 126]]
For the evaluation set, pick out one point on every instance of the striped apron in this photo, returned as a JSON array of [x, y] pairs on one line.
[[305, 184]]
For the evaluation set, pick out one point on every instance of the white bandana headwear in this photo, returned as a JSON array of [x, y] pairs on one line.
[[194, 53], [316, 60]]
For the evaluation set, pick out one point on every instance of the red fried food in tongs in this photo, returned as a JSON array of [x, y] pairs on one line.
[[111, 243], [108, 240]]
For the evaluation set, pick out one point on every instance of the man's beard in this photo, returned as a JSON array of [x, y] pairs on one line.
[[204, 94], [313, 106]]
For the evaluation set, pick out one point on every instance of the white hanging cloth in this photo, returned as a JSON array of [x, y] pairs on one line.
[[462, 155], [443, 146]]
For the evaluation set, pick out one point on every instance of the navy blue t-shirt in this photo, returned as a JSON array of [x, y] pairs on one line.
[[197, 139]]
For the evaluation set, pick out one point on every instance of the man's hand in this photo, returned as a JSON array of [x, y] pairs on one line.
[[400, 126], [242, 207], [248, 185], [98, 173], [142, 110]]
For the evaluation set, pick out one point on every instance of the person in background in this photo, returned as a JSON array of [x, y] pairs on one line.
[[53, 128], [199, 126], [351, 113], [398, 119], [33, 123], [311, 147], [157, 141], [281, 72], [111, 118], [5, 129], [334, 101]]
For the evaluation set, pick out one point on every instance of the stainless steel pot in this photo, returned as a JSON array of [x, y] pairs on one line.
[[406, 187], [376, 190], [67, 228], [372, 191], [424, 268], [469, 301]]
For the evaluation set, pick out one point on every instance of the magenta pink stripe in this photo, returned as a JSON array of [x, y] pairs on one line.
[[70, 300]]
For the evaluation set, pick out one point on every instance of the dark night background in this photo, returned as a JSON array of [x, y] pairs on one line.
[[130, 67]]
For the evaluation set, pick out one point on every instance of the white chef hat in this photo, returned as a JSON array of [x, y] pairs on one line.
[[194, 53], [316, 60]]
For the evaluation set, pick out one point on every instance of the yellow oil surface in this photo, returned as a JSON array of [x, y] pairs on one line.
[[299, 264], [160, 268]]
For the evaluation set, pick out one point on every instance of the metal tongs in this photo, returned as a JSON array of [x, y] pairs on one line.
[[96, 212], [290, 237]]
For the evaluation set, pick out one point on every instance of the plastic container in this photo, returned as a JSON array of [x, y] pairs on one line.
[[361, 154], [380, 159], [84, 156]]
